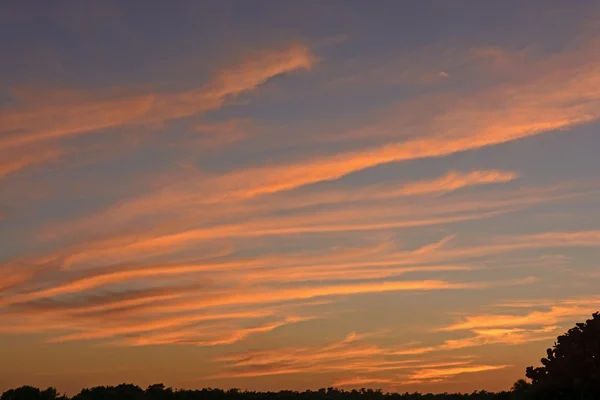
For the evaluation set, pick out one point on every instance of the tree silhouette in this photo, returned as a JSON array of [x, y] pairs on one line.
[[31, 393], [571, 369], [158, 391]]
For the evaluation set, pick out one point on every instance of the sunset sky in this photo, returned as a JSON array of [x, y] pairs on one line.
[[272, 195]]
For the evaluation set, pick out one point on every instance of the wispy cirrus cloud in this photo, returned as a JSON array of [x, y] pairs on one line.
[[503, 113], [169, 323], [481, 120], [189, 197], [370, 364], [65, 113], [551, 317], [180, 305], [11, 162], [350, 219], [212, 335], [435, 374], [519, 328], [505, 336], [361, 381]]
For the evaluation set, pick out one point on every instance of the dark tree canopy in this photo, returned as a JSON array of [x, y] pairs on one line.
[[571, 368], [160, 392], [31, 393]]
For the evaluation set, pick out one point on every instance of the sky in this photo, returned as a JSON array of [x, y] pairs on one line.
[[295, 194]]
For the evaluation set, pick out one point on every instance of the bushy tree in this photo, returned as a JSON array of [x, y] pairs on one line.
[[31, 393], [158, 391], [571, 368]]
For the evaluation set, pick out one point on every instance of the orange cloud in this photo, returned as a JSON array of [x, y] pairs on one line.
[[298, 225], [443, 373], [188, 197], [348, 219], [354, 356], [310, 292], [11, 162], [559, 238], [251, 72], [74, 113], [551, 317], [346, 355], [179, 306], [263, 180], [546, 102], [115, 277], [456, 180], [450, 182], [212, 336], [345, 272], [106, 330], [13, 276], [464, 126], [516, 329], [56, 120], [71, 282], [261, 66], [511, 336], [360, 381]]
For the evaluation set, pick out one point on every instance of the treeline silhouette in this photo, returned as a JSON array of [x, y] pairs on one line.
[[160, 392], [570, 371]]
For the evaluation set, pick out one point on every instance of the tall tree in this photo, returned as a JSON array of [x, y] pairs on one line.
[[571, 368]]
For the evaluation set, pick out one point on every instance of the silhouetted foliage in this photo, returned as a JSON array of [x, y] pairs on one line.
[[571, 368], [31, 393], [160, 392]]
